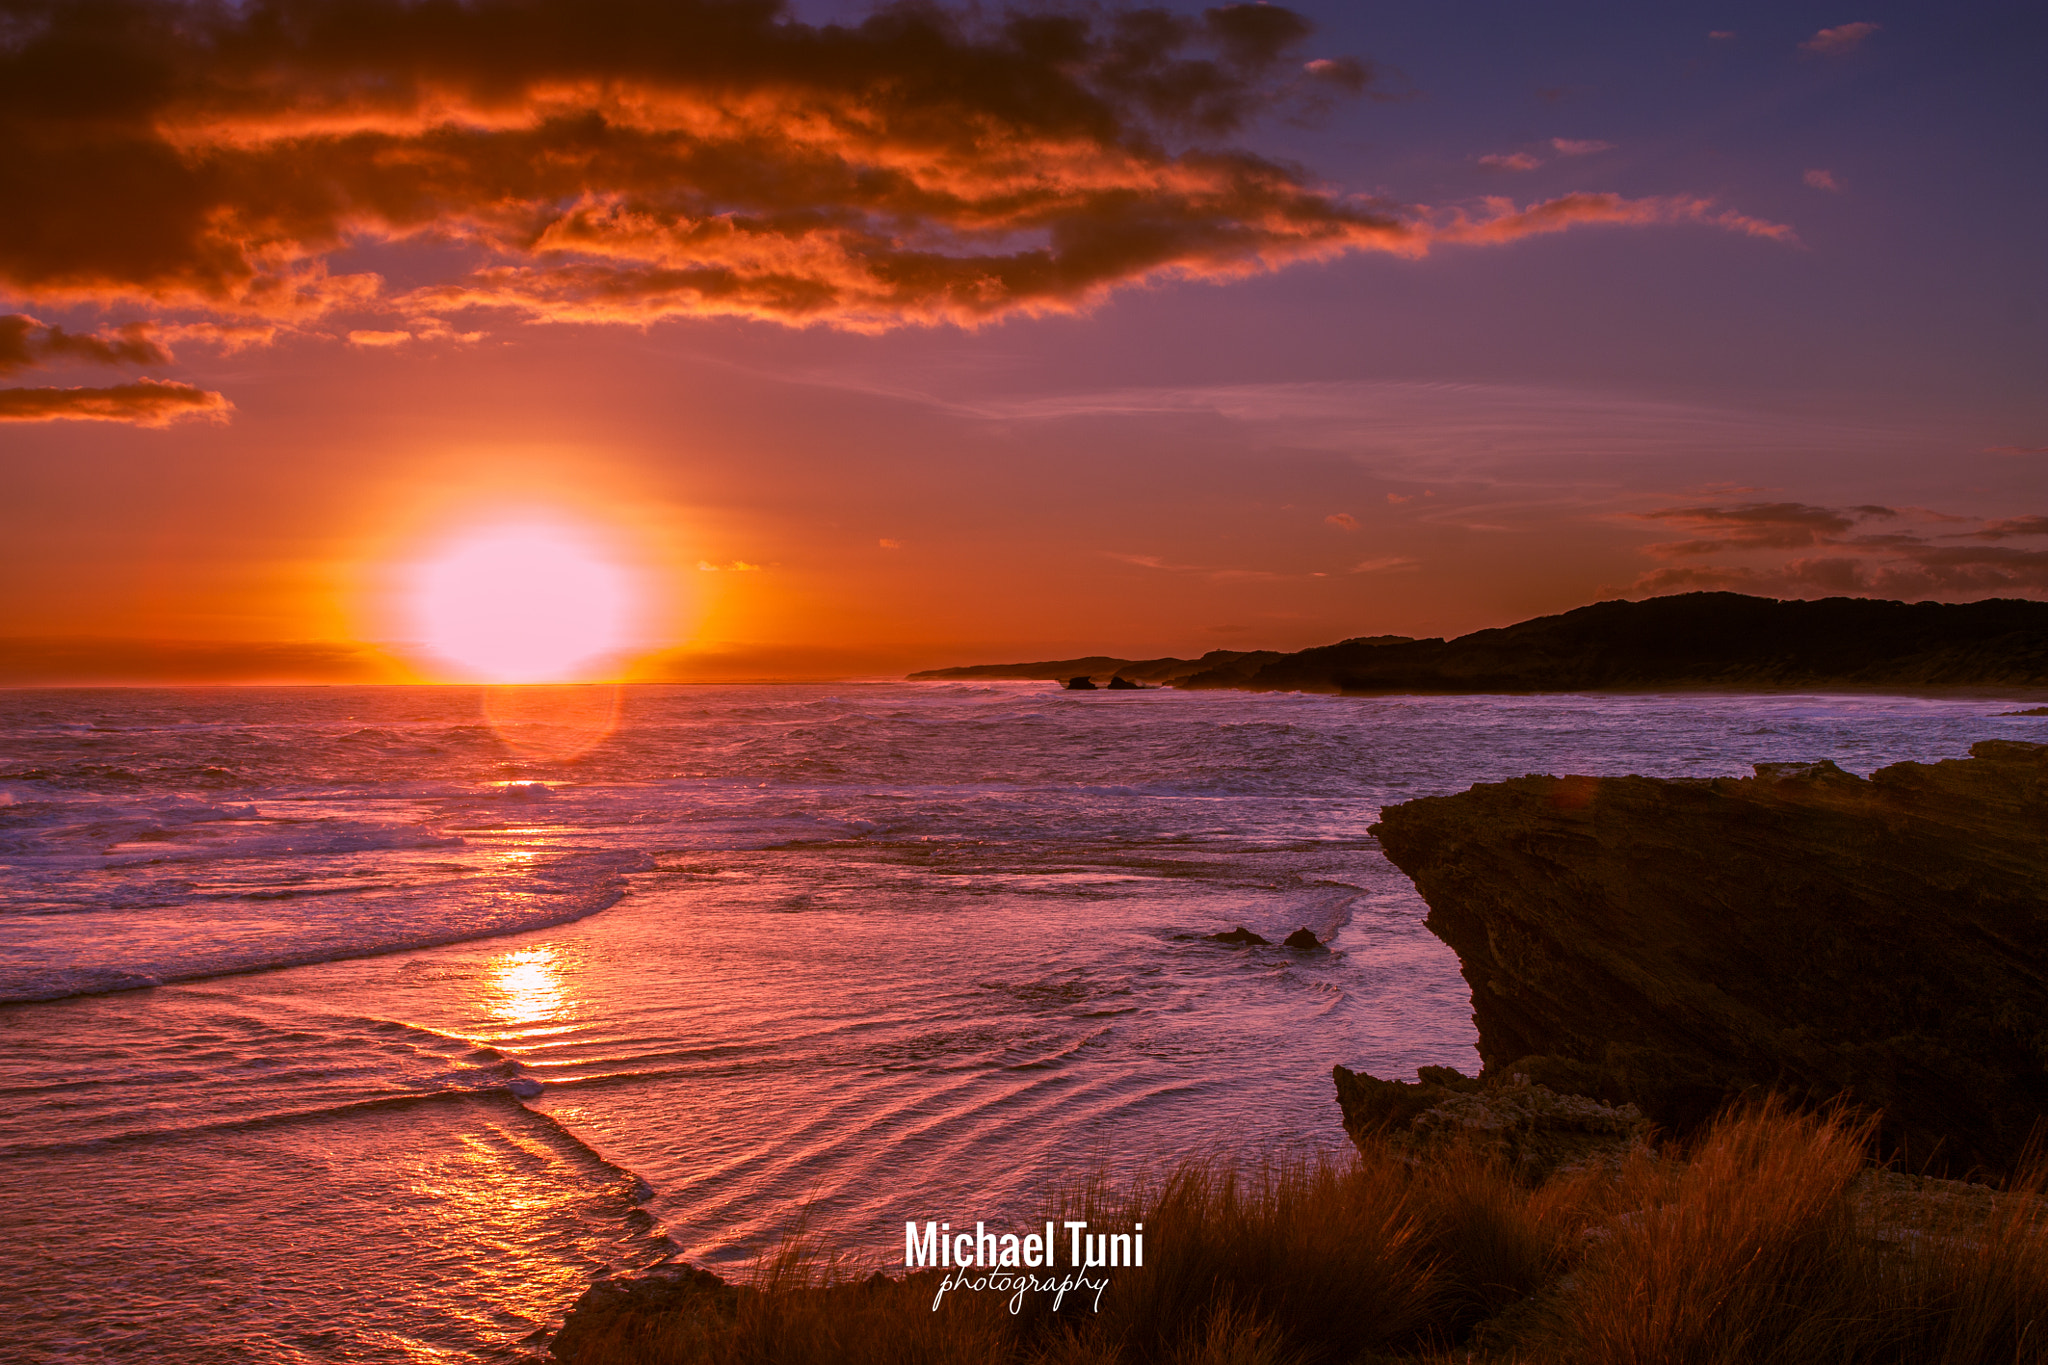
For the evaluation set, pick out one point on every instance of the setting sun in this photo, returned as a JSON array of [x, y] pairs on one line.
[[522, 603]]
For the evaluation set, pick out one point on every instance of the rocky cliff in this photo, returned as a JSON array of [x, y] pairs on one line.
[[1673, 942]]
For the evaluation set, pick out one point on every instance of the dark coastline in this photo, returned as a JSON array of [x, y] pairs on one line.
[[1692, 640]]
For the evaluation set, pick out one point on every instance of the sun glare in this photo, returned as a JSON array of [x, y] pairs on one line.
[[522, 604]]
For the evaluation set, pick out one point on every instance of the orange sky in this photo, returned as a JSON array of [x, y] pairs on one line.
[[881, 347]]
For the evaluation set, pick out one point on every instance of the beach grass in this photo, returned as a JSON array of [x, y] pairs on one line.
[[1770, 1238]]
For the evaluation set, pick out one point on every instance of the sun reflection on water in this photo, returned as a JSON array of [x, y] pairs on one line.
[[528, 987]]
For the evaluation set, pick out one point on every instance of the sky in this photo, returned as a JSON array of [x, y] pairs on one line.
[[854, 340]]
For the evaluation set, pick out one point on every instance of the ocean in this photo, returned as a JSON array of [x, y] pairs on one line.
[[370, 1024]]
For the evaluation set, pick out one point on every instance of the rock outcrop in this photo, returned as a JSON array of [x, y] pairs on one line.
[[1533, 1128], [672, 1287], [1240, 937], [1675, 942], [1305, 940], [1082, 683]]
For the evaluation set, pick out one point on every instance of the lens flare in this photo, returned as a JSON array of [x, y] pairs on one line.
[[527, 603]]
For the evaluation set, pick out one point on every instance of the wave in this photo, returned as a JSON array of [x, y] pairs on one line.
[[575, 886]]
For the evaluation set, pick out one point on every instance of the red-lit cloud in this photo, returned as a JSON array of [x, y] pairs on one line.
[[144, 403], [630, 160], [1823, 180], [1840, 40], [1501, 221], [24, 342]]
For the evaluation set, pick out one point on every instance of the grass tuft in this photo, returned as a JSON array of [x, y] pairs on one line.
[[1771, 1242]]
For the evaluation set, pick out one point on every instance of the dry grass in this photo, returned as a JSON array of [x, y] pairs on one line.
[[1751, 1248]]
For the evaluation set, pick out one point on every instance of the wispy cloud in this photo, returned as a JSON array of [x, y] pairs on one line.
[[1501, 221], [144, 403], [1840, 40], [1567, 146], [1823, 180], [1510, 161], [1343, 521], [2006, 528]]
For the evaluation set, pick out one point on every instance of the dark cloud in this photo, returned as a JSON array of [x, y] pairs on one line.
[[25, 342], [625, 160], [2008, 527], [1901, 563], [1756, 525], [145, 403], [45, 662]]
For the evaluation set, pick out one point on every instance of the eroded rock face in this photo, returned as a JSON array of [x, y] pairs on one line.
[[672, 1288], [1675, 942], [1531, 1127]]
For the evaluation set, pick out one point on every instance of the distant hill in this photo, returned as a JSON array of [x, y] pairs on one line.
[[1218, 663], [1698, 639]]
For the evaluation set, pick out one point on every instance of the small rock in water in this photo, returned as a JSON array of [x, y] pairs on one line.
[[1084, 683], [525, 1087], [1304, 940], [1241, 937]]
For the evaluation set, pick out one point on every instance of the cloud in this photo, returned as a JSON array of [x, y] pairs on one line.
[[1722, 35], [1754, 525], [145, 403], [1343, 521], [1501, 221], [375, 338], [888, 544], [736, 566], [1385, 564], [1510, 161], [630, 160], [1575, 147], [1903, 562], [1346, 73], [26, 342], [1840, 40], [1823, 180], [2008, 527], [2016, 450]]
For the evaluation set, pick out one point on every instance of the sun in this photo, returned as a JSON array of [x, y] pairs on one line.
[[522, 603]]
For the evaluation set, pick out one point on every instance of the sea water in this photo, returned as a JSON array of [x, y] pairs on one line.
[[370, 1024]]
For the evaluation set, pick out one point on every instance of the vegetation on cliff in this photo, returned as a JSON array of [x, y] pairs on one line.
[[1770, 1238]]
